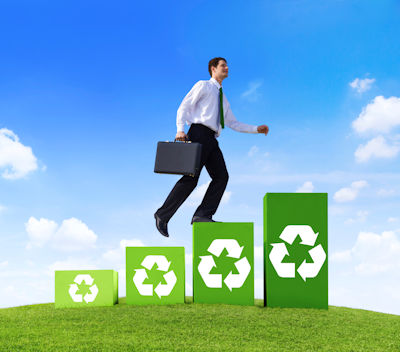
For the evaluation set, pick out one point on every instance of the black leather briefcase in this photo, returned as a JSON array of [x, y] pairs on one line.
[[180, 158]]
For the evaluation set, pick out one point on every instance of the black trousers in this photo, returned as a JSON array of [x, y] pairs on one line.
[[213, 160]]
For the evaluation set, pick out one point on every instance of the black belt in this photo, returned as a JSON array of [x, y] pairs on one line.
[[203, 128]]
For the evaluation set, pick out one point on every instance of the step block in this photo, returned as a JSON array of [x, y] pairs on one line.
[[296, 250], [155, 275], [223, 263], [86, 288]]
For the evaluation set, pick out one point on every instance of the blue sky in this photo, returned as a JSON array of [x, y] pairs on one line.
[[89, 88]]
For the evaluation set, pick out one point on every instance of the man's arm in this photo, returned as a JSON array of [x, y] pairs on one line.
[[230, 121], [186, 107]]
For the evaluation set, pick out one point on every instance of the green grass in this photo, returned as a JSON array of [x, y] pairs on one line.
[[196, 327]]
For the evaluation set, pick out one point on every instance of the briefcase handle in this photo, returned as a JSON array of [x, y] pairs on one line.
[[186, 141]]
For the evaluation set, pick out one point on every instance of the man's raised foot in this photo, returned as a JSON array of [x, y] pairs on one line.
[[161, 226]]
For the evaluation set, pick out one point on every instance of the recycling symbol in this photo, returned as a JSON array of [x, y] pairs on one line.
[[93, 290], [234, 251], [141, 274], [279, 251]]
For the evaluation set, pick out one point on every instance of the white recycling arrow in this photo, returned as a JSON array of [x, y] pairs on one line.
[[90, 297], [162, 262], [278, 252], [73, 289], [306, 233], [165, 289], [310, 270], [231, 245], [138, 279], [205, 266], [237, 280], [84, 277]]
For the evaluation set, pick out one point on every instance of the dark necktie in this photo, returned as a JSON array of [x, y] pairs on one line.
[[221, 108]]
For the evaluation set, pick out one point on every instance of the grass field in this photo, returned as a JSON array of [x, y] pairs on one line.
[[196, 327]]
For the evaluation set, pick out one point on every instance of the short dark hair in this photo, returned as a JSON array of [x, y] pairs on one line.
[[214, 63]]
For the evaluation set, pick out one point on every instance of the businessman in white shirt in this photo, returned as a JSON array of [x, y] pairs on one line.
[[203, 111]]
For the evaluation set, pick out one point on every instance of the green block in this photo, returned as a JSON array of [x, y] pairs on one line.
[[155, 275], [223, 263], [86, 288], [296, 250]]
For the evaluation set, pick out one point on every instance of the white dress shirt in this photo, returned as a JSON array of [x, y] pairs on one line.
[[201, 105]]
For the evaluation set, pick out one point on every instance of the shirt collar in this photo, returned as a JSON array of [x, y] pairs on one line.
[[215, 82]]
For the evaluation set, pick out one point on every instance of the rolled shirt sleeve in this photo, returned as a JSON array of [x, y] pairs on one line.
[[231, 122]]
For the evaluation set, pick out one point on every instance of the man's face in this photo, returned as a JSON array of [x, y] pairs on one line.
[[221, 71]]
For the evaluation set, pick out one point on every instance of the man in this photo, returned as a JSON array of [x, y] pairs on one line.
[[203, 111]]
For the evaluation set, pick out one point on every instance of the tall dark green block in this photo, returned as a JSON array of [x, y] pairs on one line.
[[296, 250]]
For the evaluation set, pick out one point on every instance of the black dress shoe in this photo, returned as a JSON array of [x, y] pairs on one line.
[[202, 219], [161, 226]]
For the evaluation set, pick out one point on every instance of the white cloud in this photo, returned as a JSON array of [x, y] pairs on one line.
[[258, 252], [71, 264], [188, 258], [23, 287], [122, 282], [10, 289], [72, 235], [362, 85], [361, 217], [380, 116], [16, 159], [117, 256], [372, 254], [345, 195], [341, 257], [385, 192], [348, 194], [39, 231], [226, 197], [3, 264], [252, 93], [253, 150], [30, 263], [376, 256], [359, 184], [307, 187], [376, 148], [334, 210], [131, 243], [2, 208], [392, 219], [13, 274], [246, 176], [23, 291], [198, 194], [376, 253]]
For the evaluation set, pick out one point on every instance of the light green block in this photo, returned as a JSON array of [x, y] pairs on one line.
[[86, 288], [223, 263], [296, 250], [155, 275]]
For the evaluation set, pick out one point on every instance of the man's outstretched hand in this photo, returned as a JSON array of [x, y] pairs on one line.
[[181, 136], [263, 129]]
